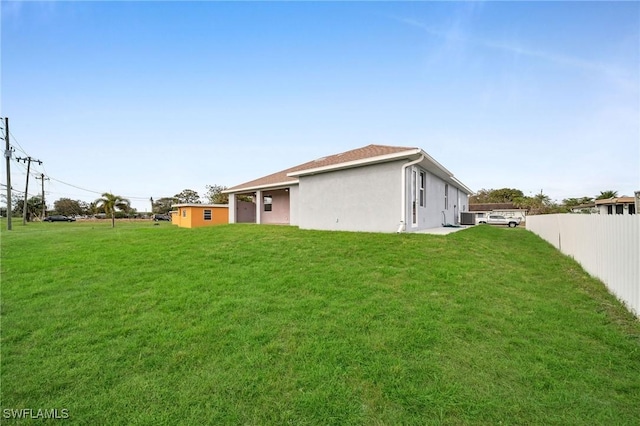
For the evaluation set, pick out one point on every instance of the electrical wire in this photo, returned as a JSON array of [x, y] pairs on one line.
[[18, 143], [38, 174], [95, 192], [75, 186]]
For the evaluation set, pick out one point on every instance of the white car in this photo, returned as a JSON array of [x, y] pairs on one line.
[[496, 219]]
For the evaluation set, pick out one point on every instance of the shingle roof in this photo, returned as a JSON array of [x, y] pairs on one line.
[[617, 200], [369, 151]]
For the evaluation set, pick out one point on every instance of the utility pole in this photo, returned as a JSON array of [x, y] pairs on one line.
[[151, 199], [44, 205], [7, 156], [27, 160]]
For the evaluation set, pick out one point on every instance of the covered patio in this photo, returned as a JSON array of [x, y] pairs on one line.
[[262, 206]]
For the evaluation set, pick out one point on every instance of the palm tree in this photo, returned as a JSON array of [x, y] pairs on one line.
[[112, 202], [605, 195]]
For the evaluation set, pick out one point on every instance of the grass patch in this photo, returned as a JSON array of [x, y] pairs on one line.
[[247, 324]]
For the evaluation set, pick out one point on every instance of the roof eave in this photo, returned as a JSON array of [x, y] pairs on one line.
[[198, 205], [261, 187], [382, 159], [616, 200], [446, 172], [411, 154], [462, 186], [356, 163]]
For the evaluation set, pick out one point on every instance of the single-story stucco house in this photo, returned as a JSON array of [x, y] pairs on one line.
[[375, 188], [589, 208], [618, 205], [197, 215]]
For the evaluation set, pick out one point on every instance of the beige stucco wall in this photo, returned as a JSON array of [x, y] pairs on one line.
[[359, 199], [279, 213]]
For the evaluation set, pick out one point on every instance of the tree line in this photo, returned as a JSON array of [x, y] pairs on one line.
[[536, 204], [107, 204], [116, 206], [213, 195], [112, 205]]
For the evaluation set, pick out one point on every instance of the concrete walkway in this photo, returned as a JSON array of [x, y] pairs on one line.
[[442, 230]]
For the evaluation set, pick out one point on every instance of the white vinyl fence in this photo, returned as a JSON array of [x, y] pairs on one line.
[[607, 247]]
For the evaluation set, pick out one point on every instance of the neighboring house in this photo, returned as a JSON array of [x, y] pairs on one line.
[[376, 188], [585, 209], [619, 205], [504, 209], [197, 215]]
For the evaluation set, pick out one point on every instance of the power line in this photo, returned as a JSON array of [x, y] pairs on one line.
[[28, 160], [18, 143], [46, 175], [12, 188], [37, 175], [24, 168], [95, 192], [75, 186]]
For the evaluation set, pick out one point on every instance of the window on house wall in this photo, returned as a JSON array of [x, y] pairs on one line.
[[207, 214], [619, 209], [632, 209], [446, 196], [422, 192], [268, 203], [609, 209], [184, 212]]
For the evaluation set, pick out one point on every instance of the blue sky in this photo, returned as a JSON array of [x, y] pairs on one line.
[[145, 99]]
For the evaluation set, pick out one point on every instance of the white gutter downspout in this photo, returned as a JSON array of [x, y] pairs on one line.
[[402, 226]]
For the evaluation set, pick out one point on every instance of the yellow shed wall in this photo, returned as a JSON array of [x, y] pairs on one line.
[[193, 217], [177, 219]]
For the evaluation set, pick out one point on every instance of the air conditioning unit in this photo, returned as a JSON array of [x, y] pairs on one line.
[[467, 218]]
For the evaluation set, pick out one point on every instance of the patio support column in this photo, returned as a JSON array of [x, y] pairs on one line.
[[232, 208], [259, 202]]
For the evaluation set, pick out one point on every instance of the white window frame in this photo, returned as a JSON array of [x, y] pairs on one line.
[[423, 181], [446, 196], [414, 197]]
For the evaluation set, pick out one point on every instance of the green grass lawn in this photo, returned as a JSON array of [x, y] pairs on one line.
[[271, 325]]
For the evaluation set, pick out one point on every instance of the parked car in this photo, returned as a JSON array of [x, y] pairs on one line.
[[496, 219], [59, 218], [158, 217]]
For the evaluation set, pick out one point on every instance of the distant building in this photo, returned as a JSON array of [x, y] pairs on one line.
[[619, 205], [504, 209], [590, 208], [196, 215]]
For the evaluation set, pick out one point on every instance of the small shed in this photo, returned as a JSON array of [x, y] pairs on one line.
[[197, 215]]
